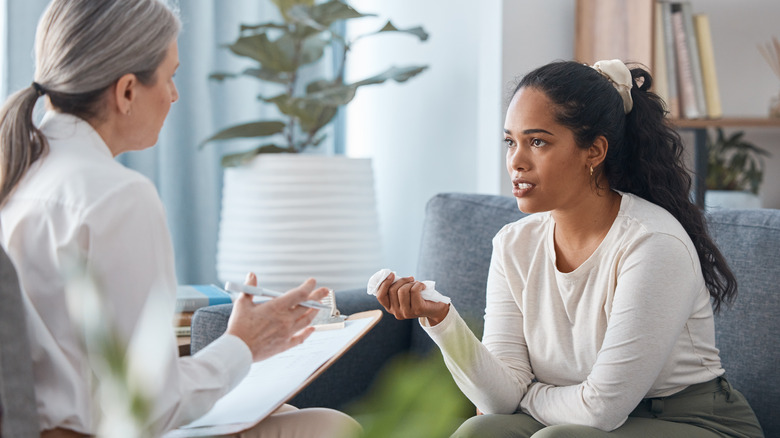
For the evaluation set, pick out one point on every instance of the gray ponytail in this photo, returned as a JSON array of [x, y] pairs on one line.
[[82, 47]]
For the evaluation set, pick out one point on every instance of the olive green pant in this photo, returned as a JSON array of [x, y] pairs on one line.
[[707, 410]]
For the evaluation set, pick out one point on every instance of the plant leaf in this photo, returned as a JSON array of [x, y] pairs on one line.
[[221, 76], [268, 75], [285, 5], [332, 96], [247, 130], [398, 74], [321, 16], [312, 49], [300, 15], [312, 114], [417, 31], [329, 12], [255, 27], [274, 55], [232, 160]]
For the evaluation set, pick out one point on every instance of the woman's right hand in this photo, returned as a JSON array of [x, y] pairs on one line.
[[403, 299], [276, 325]]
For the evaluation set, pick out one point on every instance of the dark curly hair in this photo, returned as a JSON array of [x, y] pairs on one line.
[[645, 155]]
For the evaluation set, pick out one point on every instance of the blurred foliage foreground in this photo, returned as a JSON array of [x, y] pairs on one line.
[[412, 397]]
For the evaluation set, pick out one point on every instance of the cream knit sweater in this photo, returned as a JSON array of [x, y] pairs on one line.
[[584, 347]]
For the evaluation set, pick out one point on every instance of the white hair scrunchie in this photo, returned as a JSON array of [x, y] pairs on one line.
[[620, 76]]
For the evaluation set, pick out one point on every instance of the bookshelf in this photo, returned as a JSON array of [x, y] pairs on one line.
[[623, 29]]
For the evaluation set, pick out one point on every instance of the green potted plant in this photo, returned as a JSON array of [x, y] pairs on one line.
[[735, 170], [280, 50], [285, 215]]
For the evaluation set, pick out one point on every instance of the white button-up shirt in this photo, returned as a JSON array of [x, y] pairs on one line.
[[78, 200]]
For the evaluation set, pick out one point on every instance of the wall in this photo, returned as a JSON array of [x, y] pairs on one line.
[[420, 134]]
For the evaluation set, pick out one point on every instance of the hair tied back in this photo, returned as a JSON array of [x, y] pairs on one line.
[[38, 88], [620, 76]]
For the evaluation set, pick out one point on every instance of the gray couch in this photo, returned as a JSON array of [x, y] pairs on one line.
[[455, 252]]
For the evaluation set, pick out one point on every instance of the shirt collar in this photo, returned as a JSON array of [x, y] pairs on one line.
[[58, 126]]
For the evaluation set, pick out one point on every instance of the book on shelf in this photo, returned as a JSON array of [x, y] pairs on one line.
[[191, 297], [673, 104], [182, 319], [686, 80], [660, 79], [693, 52], [182, 331], [690, 62], [701, 25]]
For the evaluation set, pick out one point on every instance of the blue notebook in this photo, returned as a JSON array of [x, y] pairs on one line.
[[191, 297]]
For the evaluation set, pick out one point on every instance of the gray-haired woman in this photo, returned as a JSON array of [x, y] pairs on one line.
[[106, 68]]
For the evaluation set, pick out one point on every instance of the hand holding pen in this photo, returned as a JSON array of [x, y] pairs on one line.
[[262, 292], [276, 325]]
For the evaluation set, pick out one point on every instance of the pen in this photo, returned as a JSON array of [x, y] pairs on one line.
[[260, 292]]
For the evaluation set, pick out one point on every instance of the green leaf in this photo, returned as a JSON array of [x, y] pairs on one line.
[[247, 130], [418, 31], [312, 114], [320, 84], [312, 49], [300, 14], [221, 76], [268, 75], [285, 5], [398, 74], [255, 27], [336, 94], [321, 16], [329, 12], [274, 55], [232, 160]]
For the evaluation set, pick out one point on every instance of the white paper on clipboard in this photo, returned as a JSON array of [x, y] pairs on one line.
[[270, 383]]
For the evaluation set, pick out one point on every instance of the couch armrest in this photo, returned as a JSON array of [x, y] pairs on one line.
[[351, 375]]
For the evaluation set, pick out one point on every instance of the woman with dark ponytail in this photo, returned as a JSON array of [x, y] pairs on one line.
[[105, 69], [599, 317]]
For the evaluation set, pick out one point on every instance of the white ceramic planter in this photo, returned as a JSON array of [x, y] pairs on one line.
[[290, 217], [714, 199]]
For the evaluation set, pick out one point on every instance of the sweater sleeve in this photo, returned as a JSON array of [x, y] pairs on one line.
[[657, 283], [495, 373]]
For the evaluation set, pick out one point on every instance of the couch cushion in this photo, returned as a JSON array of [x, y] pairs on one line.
[[747, 332], [455, 251]]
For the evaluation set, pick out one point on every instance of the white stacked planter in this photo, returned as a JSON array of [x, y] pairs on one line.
[[290, 217]]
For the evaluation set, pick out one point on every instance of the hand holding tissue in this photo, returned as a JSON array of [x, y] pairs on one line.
[[429, 293]]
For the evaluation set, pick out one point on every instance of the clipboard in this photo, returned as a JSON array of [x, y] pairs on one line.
[[334, 344]]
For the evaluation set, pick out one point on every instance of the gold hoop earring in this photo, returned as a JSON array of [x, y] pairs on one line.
[[591, 170]]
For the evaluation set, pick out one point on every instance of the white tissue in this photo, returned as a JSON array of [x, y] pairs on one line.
[[429, 293]]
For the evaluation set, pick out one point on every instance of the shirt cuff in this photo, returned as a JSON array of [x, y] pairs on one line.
[[231, 355], [439, 329]]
